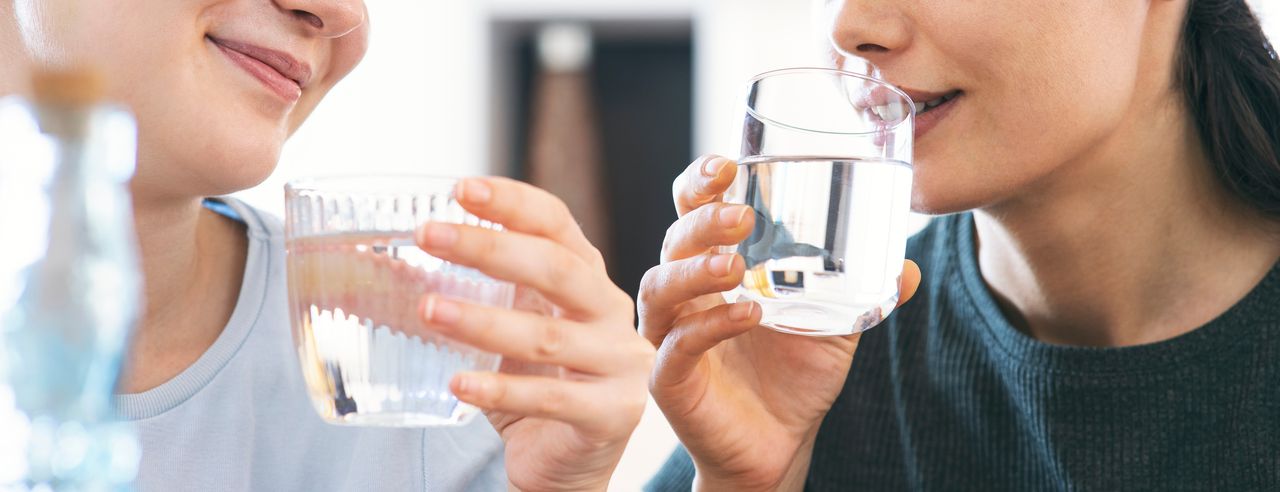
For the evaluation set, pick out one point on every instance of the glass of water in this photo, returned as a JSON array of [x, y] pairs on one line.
[[356, 278], [826, 164]]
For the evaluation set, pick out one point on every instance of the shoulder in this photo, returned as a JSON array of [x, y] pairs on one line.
[[261, 225]]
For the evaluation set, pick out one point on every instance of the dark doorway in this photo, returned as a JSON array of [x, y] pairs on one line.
[[642, 80]]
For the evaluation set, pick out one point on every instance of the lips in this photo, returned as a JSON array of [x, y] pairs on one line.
[[931, 104], [932, 108], [279, 72]]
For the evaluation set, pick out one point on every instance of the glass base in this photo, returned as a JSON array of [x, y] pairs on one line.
[[405, 419], [815, 319]]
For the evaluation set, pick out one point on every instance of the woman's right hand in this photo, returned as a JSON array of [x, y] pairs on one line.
[[745, 401]]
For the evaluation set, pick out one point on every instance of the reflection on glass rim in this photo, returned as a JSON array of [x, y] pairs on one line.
[[909, 114], [380, 184]]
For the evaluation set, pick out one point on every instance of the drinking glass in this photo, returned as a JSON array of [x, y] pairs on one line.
[[826, 164], [356, 278]]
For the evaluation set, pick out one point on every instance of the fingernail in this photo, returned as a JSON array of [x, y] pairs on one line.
[[436, 235], [732, 216], [712, 167], [441, 311], [721, 265], [741, 311], [473, 190]]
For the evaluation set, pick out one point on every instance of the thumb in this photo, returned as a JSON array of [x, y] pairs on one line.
[[909, 282]]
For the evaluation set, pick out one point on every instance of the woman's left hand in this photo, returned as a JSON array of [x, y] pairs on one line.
[[567, 430]]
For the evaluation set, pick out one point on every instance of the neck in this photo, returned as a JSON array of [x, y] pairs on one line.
[[1135, 244], [193, 263]]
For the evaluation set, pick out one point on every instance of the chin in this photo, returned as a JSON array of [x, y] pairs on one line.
[[239, 160], [942, 195], [187, 175], [232, 176]]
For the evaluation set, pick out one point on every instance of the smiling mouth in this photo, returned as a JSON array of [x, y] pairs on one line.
[[927, 106], [277, 72]]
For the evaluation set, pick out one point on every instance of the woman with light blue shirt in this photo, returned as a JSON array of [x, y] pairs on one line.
[[211, 382]]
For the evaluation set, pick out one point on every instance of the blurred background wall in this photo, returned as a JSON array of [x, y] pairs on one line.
[[466, 87]]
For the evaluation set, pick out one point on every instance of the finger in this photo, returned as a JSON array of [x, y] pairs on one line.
[[522, 207], [666, 287], [577, 403], [697, 333], [712, 225], [909, 282], [529, 337], [702, 182], [536, 262]]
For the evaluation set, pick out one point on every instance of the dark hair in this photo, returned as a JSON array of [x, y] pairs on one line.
[[1230, 77]]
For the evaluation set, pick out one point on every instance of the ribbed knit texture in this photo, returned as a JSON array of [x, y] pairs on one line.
[[947, 395]]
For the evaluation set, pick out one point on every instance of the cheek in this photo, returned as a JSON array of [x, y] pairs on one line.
[[997, 149], [201, 130], [186, 157], [1033, 108]]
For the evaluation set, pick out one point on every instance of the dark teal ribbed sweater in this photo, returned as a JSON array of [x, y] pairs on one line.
[[947, 395]]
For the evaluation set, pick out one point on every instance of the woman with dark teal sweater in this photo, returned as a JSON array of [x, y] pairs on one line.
[[1100, 307]]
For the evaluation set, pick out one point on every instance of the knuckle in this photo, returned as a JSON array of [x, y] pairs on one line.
[[553, 400], [518, 190], [645, 354], [624, 302], [486, 245], [561, 216], [671, 238], [647, 285], [560, 268], [681, 343], [498, 394], [652, 283], [637, 400], [550, 341], [596, 256], [481, 323]]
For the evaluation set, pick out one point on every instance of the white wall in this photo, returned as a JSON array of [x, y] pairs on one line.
[[415, 104], [735, 40], [1269, 12]]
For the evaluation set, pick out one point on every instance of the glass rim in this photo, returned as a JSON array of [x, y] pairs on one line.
[[911, 113], [387, 183]]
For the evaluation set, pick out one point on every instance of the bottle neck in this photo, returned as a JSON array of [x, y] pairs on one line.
[[71, 229]]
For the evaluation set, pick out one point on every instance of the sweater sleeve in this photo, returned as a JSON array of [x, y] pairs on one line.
[[675, 476]]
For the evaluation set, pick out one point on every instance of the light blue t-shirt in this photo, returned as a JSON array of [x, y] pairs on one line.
[[240, 419]]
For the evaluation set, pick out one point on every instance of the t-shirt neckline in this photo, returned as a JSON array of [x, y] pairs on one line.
[[249, 304]]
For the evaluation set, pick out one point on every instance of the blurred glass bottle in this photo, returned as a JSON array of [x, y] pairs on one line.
[[77, 302]]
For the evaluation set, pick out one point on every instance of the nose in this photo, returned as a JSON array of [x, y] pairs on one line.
[[871, 29], [327, 18]]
